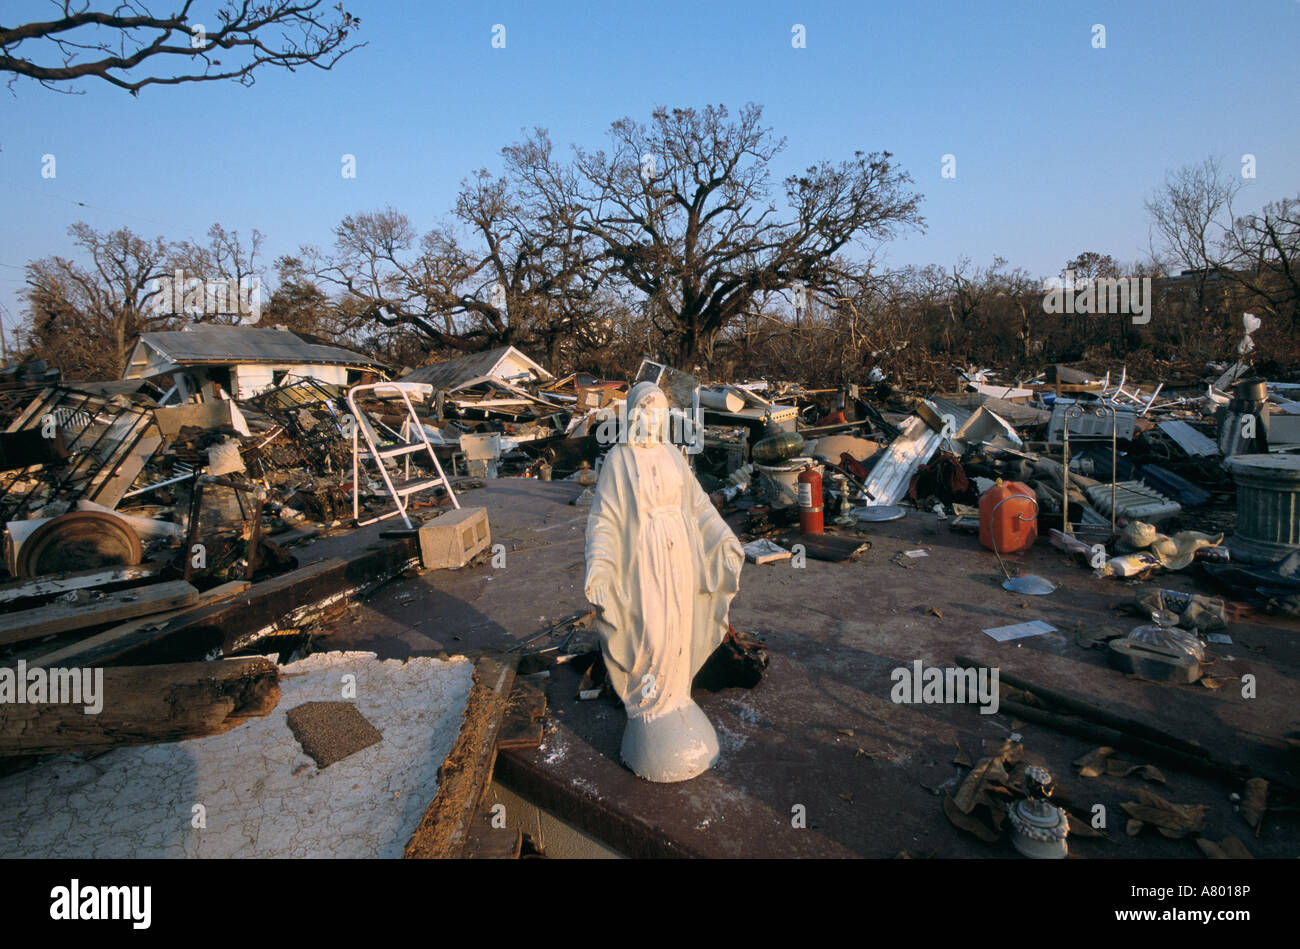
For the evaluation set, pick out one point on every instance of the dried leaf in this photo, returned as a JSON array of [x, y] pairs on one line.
[[1122, 769], [1253, 801], [961, 758], [1172, 820], [1150, 772], [1099, 762], [1133, 827], [997, 772], [1007, 750], [935, 611], [1093, 764], [1229, 848], [965, 799], [967, 822]]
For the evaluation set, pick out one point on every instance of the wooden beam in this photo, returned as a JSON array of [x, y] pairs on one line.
[[467, 772], [142, 705], [65, 617], [109, 636], [241, 621]]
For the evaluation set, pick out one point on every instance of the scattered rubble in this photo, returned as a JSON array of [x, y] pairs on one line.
[[141, 500]]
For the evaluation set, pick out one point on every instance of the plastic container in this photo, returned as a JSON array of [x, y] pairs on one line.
[[1009, 516], [780, 483], [1133, 565], [1164, 632]]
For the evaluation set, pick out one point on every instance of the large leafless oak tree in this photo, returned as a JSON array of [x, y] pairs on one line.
[[682, 210]]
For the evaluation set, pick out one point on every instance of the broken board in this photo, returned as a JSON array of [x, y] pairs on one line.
[[445, 829], [81, 646], [522, 727], [830, 547], [58, 584], [488, 842], [63, 617]]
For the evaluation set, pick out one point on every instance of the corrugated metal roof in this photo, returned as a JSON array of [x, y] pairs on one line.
[[1189, 439], [245, 344], [462, 369]]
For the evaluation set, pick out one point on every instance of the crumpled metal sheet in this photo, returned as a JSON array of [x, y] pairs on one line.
[[915, 445]]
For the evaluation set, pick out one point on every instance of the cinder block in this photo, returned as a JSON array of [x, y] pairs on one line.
[[454, 538]]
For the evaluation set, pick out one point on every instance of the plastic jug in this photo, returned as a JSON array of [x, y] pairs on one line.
[[1009, 515]]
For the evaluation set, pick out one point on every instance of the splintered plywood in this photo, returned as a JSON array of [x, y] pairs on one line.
[[254, 788]]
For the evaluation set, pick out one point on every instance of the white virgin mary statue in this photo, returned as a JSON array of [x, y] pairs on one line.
[[662, 569]]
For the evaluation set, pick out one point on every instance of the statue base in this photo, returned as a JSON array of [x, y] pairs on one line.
[[674, 746]]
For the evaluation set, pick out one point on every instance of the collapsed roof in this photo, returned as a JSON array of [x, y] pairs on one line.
[[502, 363]]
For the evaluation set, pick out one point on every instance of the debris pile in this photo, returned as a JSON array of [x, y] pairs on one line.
[[134, 504]]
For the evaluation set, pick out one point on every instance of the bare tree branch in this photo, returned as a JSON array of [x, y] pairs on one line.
[[111, 45]]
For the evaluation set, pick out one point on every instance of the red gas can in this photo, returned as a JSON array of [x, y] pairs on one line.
[[1009, 516], [810, 501]]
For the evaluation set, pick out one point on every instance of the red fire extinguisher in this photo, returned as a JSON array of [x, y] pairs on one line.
[[810, 501]]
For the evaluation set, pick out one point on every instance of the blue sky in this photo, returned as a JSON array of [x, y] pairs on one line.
[[1056, 142]]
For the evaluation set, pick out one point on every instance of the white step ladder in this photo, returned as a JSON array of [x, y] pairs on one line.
[[411, 439]]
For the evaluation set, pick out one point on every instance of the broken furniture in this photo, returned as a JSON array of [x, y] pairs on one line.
[[481, 454]]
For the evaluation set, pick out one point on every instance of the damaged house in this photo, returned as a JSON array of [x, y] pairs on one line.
[[241, 361], [503, 364]]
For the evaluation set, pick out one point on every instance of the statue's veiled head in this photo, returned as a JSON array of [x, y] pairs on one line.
[[647, 415]]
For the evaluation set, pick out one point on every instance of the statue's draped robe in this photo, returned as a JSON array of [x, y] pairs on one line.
[[664, 548]]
